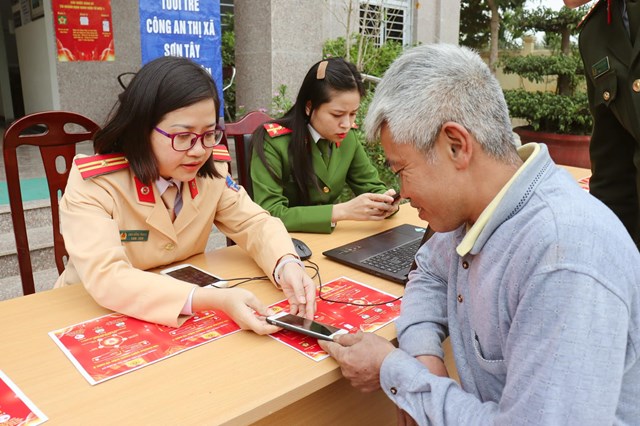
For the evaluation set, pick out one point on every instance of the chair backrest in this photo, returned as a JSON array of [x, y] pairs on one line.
[[241, 131], [57, 144]]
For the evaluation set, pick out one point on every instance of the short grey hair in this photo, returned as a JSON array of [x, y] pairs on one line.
[[432, 84]]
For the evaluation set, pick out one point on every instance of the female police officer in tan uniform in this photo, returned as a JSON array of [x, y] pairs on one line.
[[116, 225]]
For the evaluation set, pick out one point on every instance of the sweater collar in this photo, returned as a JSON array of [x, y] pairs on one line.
[[509, 200]]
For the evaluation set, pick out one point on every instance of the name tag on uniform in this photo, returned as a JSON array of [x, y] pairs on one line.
[[600, 67], [131, 235]]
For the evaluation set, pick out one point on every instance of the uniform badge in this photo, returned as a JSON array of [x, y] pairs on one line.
[[231, 184], [274, 129], [145, 192], [97, 165], [193, 188], [133, 235], [600, 67], [221, 153]]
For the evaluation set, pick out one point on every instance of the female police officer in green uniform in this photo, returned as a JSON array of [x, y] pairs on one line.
[[610, 46], [301, 162]]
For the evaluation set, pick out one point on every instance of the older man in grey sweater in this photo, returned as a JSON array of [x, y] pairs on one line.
[[536, 282]]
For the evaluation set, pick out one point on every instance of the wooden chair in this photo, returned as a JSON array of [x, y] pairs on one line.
[[57, 143], [241, 132]]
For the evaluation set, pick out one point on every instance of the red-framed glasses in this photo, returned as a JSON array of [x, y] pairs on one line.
[[184, 141]]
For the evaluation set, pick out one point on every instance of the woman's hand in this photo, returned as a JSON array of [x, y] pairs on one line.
[[366, 207], [241, 305], [299, 289]]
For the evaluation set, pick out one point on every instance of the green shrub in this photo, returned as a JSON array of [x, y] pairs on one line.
[[537, 67], [369, 58], [548, 112], [565, 110]]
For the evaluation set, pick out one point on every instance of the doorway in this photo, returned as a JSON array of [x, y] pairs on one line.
[[12, 103]]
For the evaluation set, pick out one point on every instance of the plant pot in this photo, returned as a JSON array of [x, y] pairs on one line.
[[569, 150]]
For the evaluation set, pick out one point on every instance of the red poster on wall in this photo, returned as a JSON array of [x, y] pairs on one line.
[[83, 30]]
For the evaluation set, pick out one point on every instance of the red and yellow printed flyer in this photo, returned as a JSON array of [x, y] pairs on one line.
[[584, 183], [368, 310], [15, 407], [115, 344], [83, 30]]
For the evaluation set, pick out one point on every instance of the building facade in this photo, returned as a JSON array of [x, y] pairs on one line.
[[276, 42]]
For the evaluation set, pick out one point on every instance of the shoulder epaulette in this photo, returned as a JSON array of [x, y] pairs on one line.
[[274, 129], [591, 10], [221, 153], [97, 165]]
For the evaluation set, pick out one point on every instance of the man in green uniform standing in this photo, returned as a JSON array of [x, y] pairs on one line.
[[610, 46]]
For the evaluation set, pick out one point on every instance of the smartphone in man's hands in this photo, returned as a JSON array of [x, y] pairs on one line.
[[305, 326]]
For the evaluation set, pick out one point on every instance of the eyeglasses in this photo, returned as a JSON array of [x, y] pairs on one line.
[[184, 141]]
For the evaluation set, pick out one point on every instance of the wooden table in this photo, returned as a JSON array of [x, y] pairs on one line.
[[240, 379], [577, 172]]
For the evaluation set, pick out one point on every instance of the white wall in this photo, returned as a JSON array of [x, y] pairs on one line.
[[36, 56], [437, 21], [6, 108]]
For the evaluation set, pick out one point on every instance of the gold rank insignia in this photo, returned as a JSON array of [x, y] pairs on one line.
[[274, 129], [97, 165], [221, 153]]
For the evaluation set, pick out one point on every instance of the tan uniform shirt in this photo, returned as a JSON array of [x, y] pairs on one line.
[[115, 228]]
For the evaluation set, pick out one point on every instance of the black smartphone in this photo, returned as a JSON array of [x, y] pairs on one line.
[[305, 326], [194, 275]]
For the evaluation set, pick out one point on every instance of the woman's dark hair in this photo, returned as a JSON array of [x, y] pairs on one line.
[[161, 86], [339, 76]]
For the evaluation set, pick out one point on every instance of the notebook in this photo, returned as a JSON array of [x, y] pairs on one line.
[[388, 254]]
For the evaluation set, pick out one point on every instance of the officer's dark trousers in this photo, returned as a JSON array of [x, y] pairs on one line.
[[615, 162]]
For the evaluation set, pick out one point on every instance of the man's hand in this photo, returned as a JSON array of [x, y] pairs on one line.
[[360, 357]]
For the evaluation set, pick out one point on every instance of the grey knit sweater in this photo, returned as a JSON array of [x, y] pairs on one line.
[[543, 314]]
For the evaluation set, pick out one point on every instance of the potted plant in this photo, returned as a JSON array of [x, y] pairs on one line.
[[559, 118]]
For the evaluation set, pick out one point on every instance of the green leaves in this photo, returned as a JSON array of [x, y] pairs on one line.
[[363, 52], [536, 67], [548, 20], [549, 112], [563, 110]]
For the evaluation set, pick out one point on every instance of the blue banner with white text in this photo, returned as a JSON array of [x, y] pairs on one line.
[[186, 28]]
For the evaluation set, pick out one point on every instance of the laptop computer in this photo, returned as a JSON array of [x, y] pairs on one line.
[[388, 254]]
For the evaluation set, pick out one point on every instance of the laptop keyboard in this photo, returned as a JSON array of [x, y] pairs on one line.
[[395, 259]]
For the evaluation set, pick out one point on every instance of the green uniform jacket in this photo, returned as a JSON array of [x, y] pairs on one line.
[[612, 70], [349, 165]]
